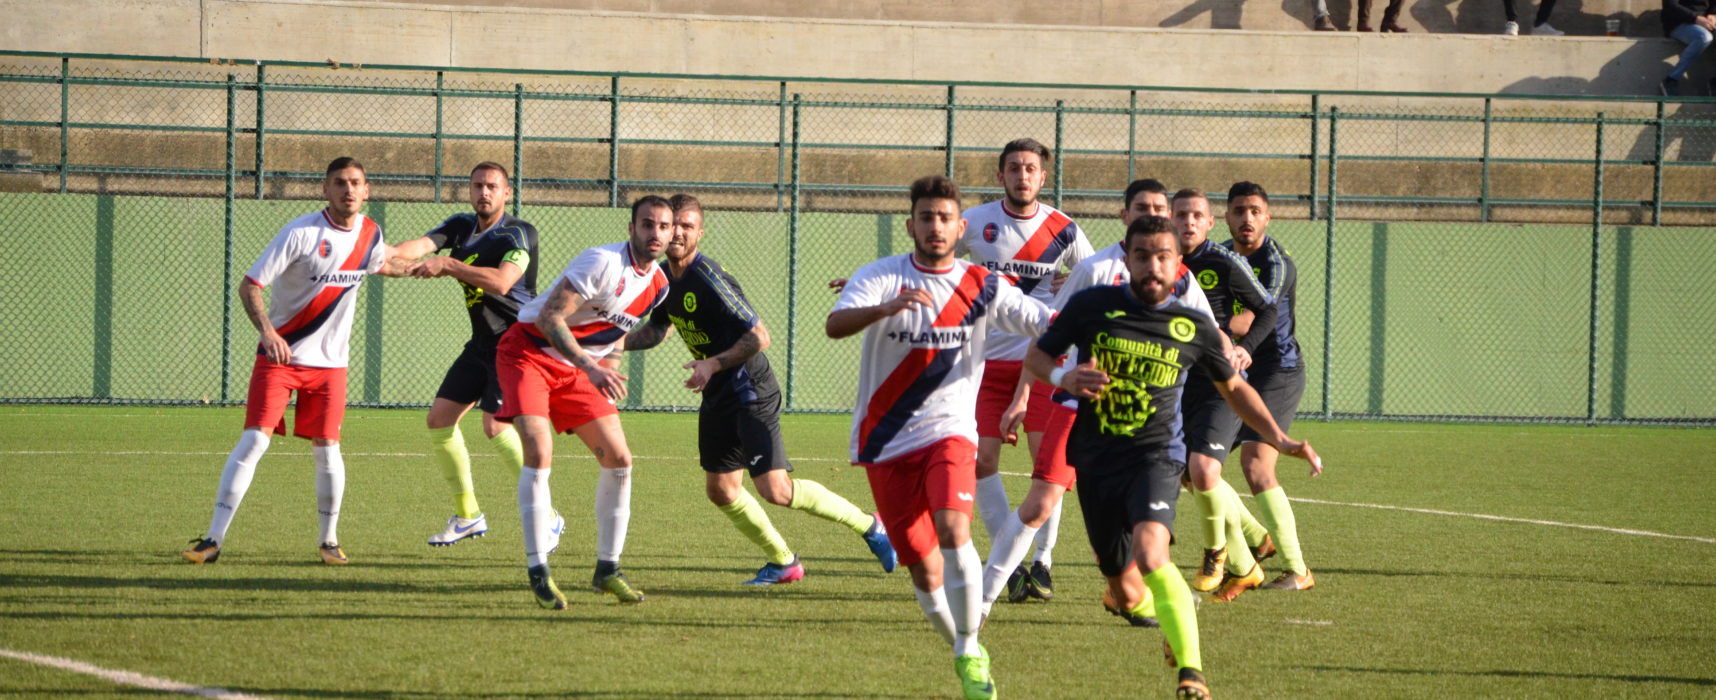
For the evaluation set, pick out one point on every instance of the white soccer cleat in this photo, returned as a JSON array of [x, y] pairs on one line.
[[460, 528]]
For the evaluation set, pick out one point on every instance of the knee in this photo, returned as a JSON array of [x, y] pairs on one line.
[[1033, 513], [987, 462], [721, 494], [617, 459], [776, 490]]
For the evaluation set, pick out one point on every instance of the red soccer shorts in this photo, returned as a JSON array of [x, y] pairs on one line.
[[321, 399], [908, 488], [1050, 463], [534, 383], [995, 392]]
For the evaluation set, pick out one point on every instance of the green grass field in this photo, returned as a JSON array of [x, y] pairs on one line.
[[97, 502]]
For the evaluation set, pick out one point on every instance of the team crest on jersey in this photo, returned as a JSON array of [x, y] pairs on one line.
[[325, 249], [1119, 279], [1208, 279], [989, 232], [690, 302], [1182, 329]]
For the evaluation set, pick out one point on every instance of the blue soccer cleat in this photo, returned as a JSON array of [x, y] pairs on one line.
[[876, 538], [773, 574]]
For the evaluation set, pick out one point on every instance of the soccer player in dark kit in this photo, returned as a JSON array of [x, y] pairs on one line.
[[1139, 343]]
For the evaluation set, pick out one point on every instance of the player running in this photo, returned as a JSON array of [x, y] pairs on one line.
[[1027, 242], [1277, 371], [315, 265], [1210, 427], [738, 422], [1138, 342], [926, 317], [493, 256], [557, 375]]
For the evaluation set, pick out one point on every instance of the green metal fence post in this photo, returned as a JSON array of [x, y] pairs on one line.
[[780, 149], [1329, 262], [65, 119], [792, 259], [226, 259], [261, 124], [518, 148], [1484, 186], [1596, 275], [440, 84], [1060, 162], [1316, 107], [948, 141], [614, 142], [1132, 139], [1656, 168]]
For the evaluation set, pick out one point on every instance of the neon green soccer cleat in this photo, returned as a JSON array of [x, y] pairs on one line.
[[974, 675]]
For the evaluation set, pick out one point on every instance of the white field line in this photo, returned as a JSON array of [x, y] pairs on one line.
[[1482, 516], [130, 678]]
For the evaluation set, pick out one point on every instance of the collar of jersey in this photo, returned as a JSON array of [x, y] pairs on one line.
[[632, 260], [931, 270], [356, 221], [1015, 215]]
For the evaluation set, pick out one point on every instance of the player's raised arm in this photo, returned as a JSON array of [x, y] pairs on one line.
[[562, 302], [1251, 409]]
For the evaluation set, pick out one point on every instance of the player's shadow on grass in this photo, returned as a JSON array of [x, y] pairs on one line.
[[1509, 673]]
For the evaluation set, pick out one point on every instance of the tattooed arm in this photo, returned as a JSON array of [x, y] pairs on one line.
[[275, 347], [745, 348], [562, 302]]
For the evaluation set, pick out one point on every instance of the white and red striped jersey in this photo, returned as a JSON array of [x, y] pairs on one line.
[[917, 383], [617, 292], [1027, 251], [314, 268]]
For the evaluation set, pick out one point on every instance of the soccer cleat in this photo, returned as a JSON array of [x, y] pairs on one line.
[[1192, 685], [617, 584], [1132, 617], [554, 532], [772, 573], [1016, 592], [974, 675], [1289, 581], [458, 529], [332, 554], [1210, 573], [1235, 585], [876, 538], [542, 585], [203, 551], [1264, 549], [1038, 584]]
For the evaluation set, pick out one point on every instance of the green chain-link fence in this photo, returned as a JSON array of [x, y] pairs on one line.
[[1492, 257]]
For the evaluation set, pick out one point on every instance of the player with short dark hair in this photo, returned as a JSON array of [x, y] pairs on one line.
[[1277, 371], [314, 265], [559, 372], [1210, 425], [1139, 343], [1028, 243], [493, 255], [925, 317], [738, 421]]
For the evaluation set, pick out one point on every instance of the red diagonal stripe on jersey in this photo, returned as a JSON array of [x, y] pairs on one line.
[[641, 304], [1045, 235], [959, 303], [892, 388], [327, 296], [366, 238], [587, 329]]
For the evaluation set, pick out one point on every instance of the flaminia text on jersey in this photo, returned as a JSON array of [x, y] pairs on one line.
[[939, 339], [342, 278]]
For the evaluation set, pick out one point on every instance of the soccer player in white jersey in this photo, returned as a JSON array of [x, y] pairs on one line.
[[926, 318], [314, 266], [558, 373], [1027, 242]]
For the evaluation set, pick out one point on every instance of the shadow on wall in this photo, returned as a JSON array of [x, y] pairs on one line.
[[1696, 144], [1635, 71], [1487, 16], [1224, 14]]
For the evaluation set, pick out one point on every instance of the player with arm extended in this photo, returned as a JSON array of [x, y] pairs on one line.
[[1236, 297], [925, 317], [314, 266], [493, 256], [1028, 243], [1138, 343], [558, 374], [738, 421], [1277, 371]]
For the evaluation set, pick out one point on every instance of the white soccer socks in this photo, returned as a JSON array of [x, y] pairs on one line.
[[962, 579], [330, 489], [992, 503], [934, 604], [613, 512], [536, 514], [235, 480], [1005, 553], [1048, 535]]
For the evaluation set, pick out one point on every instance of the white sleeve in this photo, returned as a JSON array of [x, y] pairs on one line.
[[1079, 250], [1017, 312], [383, 251], [290, 244], [1083, 276], [1194, 297], [587, 274], [867, 287]]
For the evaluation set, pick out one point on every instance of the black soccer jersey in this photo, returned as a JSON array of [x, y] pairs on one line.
[[511, 240], [1280, 278], [1146, 352], [706, 307], [1228, 282]]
